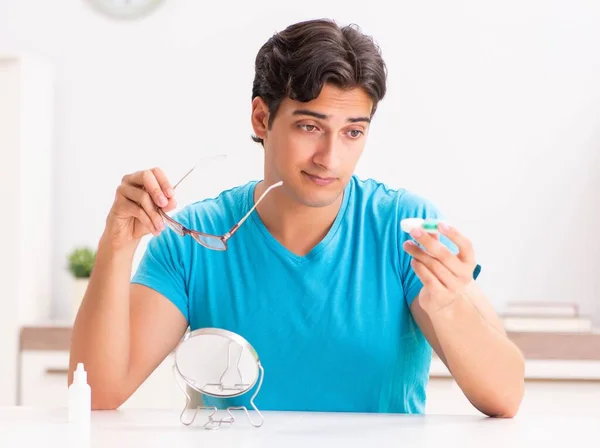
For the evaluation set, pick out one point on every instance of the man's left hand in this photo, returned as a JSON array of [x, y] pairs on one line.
[[445, 276]]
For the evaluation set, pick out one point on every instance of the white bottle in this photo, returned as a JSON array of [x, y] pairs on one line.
[[80, 399]]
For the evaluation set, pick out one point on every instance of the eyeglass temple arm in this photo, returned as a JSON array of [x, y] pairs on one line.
[[218, 156], [184, 176], [237, 226]]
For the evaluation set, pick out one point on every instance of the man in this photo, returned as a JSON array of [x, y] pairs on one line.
[[341, 306]]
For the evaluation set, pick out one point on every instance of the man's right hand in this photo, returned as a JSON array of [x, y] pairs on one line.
[[133, 213]]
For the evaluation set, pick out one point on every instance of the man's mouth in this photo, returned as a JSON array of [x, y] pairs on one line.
[[322, 181]]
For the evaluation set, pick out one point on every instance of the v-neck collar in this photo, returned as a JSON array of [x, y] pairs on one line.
[[280, 248]]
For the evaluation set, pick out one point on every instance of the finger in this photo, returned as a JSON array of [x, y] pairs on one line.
[[465, 248], [143, 200], [164, 183], [134, 210], [425, 275], [437, 249], [147, 180], [441, 272], [136, 194], [170, 206]]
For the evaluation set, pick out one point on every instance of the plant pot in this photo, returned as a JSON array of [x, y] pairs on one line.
[[79, 287]]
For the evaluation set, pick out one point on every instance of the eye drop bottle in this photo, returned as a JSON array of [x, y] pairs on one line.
[[80, 399]]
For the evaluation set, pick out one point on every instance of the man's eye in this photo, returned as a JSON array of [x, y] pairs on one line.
[[308, 127], [355, 133]]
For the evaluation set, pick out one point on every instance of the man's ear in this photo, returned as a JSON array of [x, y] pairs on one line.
[[260, 117]]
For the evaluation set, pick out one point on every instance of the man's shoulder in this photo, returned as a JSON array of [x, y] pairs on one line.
[[379, 196]]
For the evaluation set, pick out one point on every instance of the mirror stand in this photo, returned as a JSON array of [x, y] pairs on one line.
[[213, 423]]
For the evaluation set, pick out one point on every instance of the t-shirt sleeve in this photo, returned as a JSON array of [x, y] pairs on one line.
[[411, 205], [163, 268]]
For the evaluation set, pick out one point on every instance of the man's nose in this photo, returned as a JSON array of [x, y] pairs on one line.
[[328, 154]]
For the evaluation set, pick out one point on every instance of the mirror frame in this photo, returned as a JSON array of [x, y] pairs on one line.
[[213, 423], [244, 344]]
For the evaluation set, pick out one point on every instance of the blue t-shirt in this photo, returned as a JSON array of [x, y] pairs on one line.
[[333, 328]]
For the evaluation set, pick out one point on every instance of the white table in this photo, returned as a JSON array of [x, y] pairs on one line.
[[131, 428]]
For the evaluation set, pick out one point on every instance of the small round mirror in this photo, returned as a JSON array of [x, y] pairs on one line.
[[218, 363]]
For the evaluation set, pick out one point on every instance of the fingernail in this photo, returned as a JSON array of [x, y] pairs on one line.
[[443, 226], [162, 201], [417, 233], [170, 192]]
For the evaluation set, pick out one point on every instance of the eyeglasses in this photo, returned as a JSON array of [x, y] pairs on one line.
[[213, 242]]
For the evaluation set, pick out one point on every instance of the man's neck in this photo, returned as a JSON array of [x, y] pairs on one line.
[[299, 228]]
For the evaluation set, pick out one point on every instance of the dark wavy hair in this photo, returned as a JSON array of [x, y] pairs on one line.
[[297, 62]]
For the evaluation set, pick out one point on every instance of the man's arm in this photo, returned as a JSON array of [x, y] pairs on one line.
[[123, 331], [463, 328]]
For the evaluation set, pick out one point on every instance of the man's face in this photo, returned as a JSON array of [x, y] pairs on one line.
[[314, 147]]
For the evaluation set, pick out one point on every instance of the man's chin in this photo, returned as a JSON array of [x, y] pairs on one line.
[[319, 200]]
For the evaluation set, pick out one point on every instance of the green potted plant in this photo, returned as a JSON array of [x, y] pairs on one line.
[[80, 263]]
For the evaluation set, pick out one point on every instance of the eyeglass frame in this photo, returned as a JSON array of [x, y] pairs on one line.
[[182, 230]]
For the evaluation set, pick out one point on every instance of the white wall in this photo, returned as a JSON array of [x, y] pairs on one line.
[[493, 112]]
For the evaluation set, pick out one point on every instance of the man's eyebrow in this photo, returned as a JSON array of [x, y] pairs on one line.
[[359, 119], [310, 113], [320, 116]]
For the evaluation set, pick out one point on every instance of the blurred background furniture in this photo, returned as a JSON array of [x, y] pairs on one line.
[[562, 362], [562, 374], [43, 369], [546, 317]]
